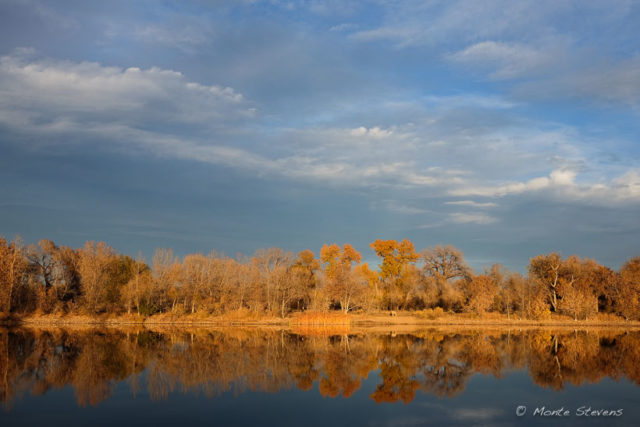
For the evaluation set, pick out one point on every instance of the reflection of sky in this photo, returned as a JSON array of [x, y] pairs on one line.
[[484, 401], [504, 128]]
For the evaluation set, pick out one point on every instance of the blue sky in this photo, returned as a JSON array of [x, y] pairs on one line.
[[505, 128]]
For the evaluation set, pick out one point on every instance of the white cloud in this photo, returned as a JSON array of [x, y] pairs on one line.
[[471, 218], [393, 205], [626, 186], [346, 26], [89, 91], [557, 178], [374, 132], [562, 185], [472, 204]]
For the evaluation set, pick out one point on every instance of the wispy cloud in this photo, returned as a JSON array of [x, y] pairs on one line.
[[185, 38], [507, 60], [476, 414], [472, 204], [471, 218]]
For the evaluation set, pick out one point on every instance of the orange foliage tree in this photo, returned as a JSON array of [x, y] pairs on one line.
[[396, 275]]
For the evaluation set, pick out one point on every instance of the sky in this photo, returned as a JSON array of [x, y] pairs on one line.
[[507, 129]]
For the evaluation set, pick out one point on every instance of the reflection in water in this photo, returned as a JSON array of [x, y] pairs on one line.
[[439, 362]]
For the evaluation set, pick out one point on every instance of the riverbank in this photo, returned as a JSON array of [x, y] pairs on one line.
[[317, 319]]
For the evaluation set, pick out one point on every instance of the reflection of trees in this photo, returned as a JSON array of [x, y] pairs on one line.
[[90, 362], [216, 361], [398, 366], [583, 357], [444, 370], [339, 374]]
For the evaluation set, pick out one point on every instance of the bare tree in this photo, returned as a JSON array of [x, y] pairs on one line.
[[93, 265], [443, 267], [341, 286], [548, 271], [273, 264], [13, 267]]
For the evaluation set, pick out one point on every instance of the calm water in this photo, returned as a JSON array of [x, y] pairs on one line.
[[315, 377]]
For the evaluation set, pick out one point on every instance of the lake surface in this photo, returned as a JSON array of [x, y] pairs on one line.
[[317, 377]]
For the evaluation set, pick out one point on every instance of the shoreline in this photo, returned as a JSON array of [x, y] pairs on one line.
[[333, 320]]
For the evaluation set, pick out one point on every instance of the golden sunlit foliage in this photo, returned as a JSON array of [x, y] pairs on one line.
[[95, 279], [342, 289], [398, 276]]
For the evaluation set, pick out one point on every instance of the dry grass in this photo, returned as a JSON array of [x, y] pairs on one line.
[[320, 318], [241, 316], [71, 319]]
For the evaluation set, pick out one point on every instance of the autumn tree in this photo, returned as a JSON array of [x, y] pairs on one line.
[[513, 294], [66, 273], [573, 286], [13, 267], [341, 286], [599, 279], [398, 279], [627, 293], [195, 279], [166, 272], [57, 268], [136, 291], [549, 272], [581, 291], [578, 302], [98, 265], [480, 293], [369, 280], [226, 291], [41, 258], [304, 275], [287, 290], [250, 285], [273, 264]]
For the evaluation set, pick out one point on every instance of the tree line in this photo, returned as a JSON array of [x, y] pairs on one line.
[[95, 279], [436, 362]]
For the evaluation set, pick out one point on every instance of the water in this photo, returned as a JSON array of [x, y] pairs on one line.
[[316, 377]]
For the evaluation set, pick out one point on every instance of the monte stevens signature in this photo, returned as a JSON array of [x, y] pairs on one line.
[[582, 411]]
